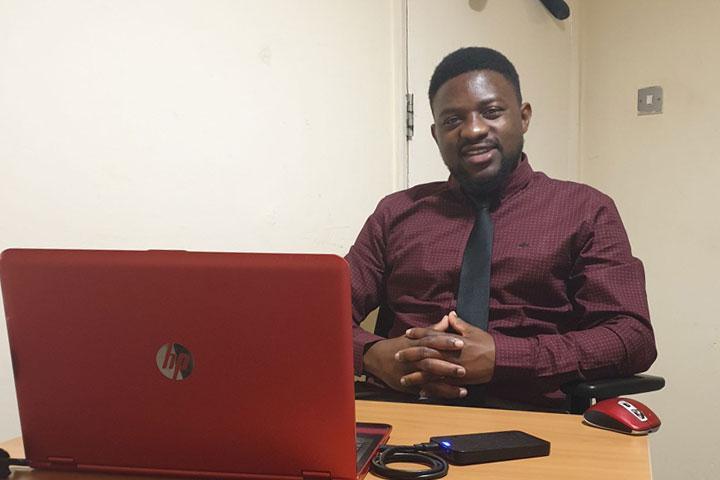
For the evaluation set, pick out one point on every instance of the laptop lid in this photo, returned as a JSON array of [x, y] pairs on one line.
[[180, 363]]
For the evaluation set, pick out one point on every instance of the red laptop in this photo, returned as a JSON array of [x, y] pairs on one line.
[[185, 364]]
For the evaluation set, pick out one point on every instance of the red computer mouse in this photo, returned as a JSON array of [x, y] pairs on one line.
[[622, 415]]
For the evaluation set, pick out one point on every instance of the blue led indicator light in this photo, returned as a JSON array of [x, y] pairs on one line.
[[445, 444]]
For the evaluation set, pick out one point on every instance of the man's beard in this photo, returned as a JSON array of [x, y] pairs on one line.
[[490, 186]]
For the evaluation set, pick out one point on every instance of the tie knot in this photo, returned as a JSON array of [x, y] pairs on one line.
[[481, 204]]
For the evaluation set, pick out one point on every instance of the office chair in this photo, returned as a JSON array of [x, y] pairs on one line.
[[580, 394]]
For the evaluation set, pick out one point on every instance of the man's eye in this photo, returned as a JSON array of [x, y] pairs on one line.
[[492, 113], [451, 121]]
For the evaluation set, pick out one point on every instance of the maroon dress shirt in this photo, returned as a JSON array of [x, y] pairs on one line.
[[567, 298]]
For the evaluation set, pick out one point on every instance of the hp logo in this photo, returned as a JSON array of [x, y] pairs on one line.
[[174, 361]]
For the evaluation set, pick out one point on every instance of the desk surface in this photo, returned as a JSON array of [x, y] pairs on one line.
[[577, 451]]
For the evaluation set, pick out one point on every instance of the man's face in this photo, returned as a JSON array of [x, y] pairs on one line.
[[479, 127]]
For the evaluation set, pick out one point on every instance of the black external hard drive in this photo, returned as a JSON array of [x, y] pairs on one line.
[[490, 447]]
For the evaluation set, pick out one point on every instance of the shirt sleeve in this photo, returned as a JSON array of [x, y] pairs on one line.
[[367, 269], [613, 337]]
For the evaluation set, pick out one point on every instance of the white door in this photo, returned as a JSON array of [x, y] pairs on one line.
[[543, 50]]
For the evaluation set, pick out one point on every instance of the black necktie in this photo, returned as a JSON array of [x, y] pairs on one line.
[[474, 290], [473, 301]]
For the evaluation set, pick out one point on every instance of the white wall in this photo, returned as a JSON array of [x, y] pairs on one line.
[[663, 173], [199, 125]]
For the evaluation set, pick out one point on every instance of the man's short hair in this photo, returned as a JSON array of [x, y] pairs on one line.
[[470, 59]]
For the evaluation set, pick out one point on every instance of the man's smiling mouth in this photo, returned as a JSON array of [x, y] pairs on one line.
[[478, 154]]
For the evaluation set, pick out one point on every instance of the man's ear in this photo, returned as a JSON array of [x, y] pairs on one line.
[[432, 131], [525, 115]]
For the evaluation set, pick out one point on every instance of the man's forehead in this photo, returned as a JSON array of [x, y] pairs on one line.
[[482, 85]]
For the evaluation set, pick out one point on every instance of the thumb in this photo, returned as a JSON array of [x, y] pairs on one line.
[[442, 325], [458, 324]]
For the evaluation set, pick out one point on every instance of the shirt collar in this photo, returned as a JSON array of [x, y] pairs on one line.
[[518, 179]]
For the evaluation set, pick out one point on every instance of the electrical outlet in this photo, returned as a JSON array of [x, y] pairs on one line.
[[650, 100]]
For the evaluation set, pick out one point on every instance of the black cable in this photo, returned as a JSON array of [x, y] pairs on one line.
[[6, 462], [420, 453]]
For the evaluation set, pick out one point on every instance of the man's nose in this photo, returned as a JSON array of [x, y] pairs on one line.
[[474, 127]]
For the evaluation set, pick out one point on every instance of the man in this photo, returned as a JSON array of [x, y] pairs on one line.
[[563, 297]]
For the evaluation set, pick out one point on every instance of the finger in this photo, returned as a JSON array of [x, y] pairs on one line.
[[430, 368], [458, 324], [442, 325], [417, 379], [420, 332], [438, 327], [442, 390], [441, 342], [415, 354]]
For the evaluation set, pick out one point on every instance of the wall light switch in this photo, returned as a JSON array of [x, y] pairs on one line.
[[650, 100]]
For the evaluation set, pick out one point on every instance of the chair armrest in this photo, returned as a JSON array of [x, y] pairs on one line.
[[580, 394], [614, 387]]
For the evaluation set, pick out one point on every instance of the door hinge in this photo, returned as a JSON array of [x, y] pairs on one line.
[[410, 116]]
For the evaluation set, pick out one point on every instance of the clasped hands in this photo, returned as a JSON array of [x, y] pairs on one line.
[[434, 362]]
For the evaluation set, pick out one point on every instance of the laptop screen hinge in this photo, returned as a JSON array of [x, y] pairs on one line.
[[309, 475], [62, 461]]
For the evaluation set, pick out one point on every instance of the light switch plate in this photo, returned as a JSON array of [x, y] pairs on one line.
[[650, 100]]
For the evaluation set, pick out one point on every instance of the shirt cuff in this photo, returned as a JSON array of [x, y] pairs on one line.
[[514, 358], [361, 339]]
